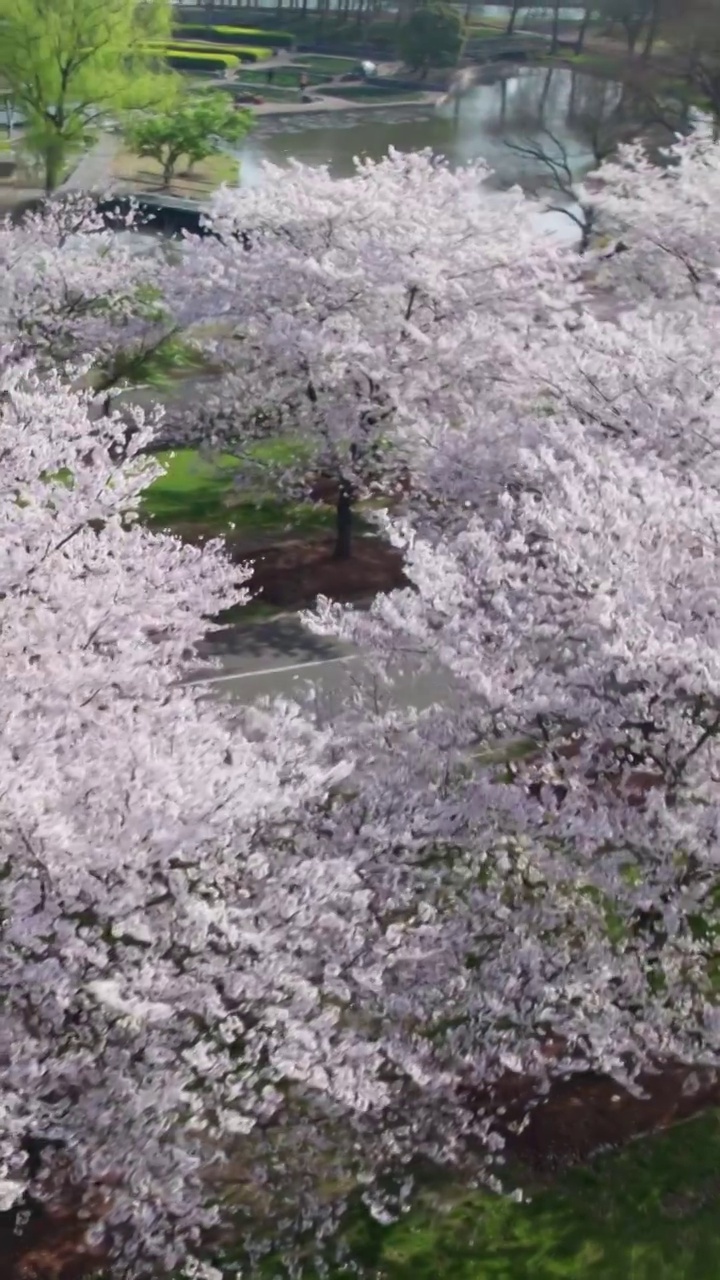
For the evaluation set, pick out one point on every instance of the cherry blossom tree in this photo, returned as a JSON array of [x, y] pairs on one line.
[[196, 953], [569, 892], [664, 217], [349, 304], [308, 953], [564, 581], [147, 1015], [75, 293]]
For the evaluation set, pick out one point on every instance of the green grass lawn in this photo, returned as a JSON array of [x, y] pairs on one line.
[[285, 77], [327, 63], [648, 1213], [198, 493], [270, 92]]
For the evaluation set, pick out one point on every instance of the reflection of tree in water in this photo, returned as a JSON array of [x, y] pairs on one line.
[[592, 116], [480, 113]]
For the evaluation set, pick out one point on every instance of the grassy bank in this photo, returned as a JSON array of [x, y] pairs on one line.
[[648, 1213], [269, 92]]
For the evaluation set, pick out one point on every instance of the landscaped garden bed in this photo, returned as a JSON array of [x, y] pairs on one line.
[[260, 93], [284, 77], [234, 35], [244, 53]]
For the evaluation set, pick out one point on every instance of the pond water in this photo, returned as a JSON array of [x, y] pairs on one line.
[[525, 107], [532, 11], [569, 14], [518, 108], [530, 105]]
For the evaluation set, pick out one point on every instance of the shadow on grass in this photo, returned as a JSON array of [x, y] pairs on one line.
[[199, 495], [178, 512], [648, 1213]]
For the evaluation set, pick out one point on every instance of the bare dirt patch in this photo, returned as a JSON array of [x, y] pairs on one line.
[[145, 174], [294, 574]]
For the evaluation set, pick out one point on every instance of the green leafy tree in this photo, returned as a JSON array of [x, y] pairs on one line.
[[72, 64], [196, 129], [434, 34]]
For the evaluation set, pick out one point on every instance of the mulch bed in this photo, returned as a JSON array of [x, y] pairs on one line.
[[50, 1247], [293, 574], [589, 1113]]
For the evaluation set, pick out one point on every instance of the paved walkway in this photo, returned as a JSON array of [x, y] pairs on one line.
[[281, 657], [94, 170], [318, 103]]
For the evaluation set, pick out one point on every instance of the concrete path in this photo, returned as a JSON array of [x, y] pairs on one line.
[[281, 657], [318, 103], [94, 170]]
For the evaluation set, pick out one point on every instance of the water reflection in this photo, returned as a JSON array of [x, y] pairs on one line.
[[515, 108], [572, 115], [569, 14]]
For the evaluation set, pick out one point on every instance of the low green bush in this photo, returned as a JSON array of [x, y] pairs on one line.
[[242, 52], [235, 35], [236, 53], [187, 60], [381, 34]]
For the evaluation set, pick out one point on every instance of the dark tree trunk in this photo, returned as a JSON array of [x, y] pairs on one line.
[[652, 30], [632, 31], [580, 42], [555, 27], [513, 18], [545, 91], [343, 522]]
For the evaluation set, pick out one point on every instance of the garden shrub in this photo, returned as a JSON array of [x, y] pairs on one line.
[[242, 52], [192, 60], [252, 36], [381, 34], [186, 50]]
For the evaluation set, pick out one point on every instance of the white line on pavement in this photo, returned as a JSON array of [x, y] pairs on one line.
[[269, 671]]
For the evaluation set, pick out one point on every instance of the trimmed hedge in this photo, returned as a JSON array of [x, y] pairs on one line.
[[236, 35], [232, 54], [184, 60], [234, 50]]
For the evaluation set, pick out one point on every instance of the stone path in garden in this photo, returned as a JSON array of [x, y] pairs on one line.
[[94, 171], [280, 657], [318, 103]]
